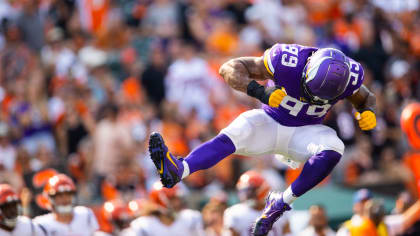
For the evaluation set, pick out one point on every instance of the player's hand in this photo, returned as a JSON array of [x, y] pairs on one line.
[[276, 97], [367, 120], [271, 96]]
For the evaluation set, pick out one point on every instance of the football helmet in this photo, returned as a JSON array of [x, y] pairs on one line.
[[410, 124], [137, 206], [252, 186], [325, 76], [118, 214], [41, 177], [59, 184], [9, 206], [162, 195]]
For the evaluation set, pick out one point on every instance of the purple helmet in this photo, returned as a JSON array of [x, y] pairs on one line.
[[325, 76]]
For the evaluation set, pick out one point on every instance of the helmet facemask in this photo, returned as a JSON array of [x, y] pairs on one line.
[[312, 99], [63, 202], [121, 223], [325, 76], [9, 213]]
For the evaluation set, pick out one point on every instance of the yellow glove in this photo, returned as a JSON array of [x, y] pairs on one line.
[[271, 96], [367, 120], [276, 97]]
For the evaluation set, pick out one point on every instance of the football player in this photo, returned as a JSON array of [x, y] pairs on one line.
[[11, 223], [410, 125], [252, 189], [65, 218], [119, 216], [168, 217], [307, 81]]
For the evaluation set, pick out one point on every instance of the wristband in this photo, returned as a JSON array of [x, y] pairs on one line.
[[258, 91]]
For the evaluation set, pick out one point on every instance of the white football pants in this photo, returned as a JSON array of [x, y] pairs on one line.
[[256, 133]]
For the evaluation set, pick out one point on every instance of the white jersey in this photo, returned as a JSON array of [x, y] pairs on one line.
[[241, 218], [125, 232], [187, 222], [101, 233], [84, 223], [25, 226]]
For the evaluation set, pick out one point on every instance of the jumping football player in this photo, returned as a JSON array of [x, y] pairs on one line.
[[308, 82]]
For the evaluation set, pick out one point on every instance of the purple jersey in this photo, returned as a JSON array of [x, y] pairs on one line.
[[286, 62]]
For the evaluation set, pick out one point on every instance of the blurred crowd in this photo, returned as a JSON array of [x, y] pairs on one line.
[[84, 82]]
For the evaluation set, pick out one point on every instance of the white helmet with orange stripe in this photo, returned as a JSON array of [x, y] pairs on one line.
[[60, 190]]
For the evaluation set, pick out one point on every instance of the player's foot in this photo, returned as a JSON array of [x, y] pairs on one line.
[[170, 168], [274, 208]]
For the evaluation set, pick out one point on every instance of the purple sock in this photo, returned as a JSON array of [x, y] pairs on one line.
[[315, 170], [210, 153]]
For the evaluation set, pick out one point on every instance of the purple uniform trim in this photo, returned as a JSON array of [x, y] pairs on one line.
[[286, 63], [210, 153]]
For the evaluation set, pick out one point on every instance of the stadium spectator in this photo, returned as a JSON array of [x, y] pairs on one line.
[[111, 141], [189, 84], [154, 75], [359, 201], [318, 223], [32, 21], [370, 222], [7, 150], [405, 217]]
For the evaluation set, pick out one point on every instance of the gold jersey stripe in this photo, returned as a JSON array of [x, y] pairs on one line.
[[267, 62]]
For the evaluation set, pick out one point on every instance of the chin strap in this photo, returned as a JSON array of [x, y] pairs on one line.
[[64, 209]]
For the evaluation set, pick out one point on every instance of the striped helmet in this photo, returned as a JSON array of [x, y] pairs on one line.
[[325, 76]]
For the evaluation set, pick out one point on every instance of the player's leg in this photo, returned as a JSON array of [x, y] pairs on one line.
[[172, 170], [253, 132], [320, 147]]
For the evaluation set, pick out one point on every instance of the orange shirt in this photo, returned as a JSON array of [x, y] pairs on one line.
[[95, 13], [359, 226]]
